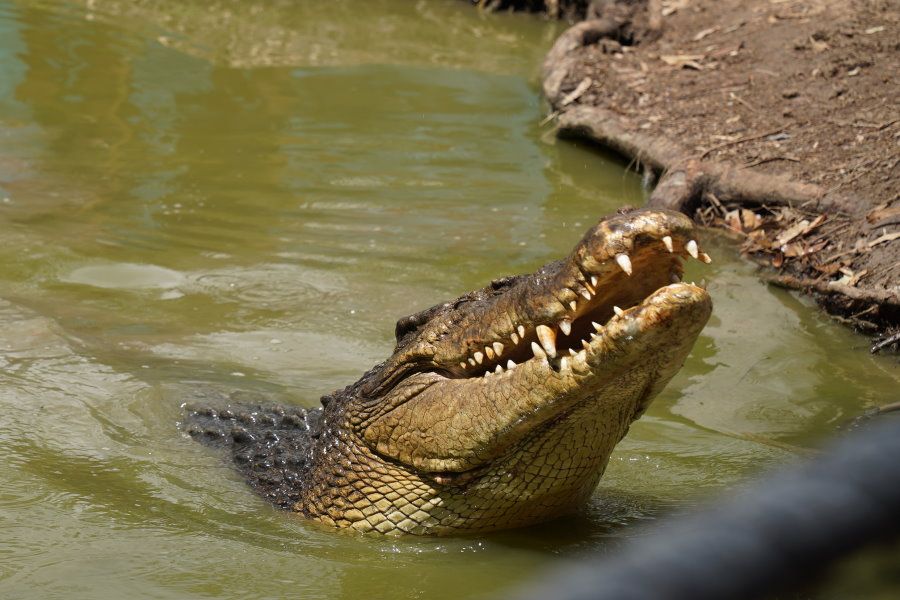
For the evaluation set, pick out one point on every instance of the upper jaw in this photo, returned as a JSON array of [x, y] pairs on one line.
[[662, 326], [616, 266]]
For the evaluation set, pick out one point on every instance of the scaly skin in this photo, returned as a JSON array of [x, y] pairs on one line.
[[483, 418]]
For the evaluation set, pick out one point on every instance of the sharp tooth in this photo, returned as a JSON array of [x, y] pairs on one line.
[[479, 357], [572, 351], [510, 365], [515, 338], [565, 326], [586, 294], [579, 363], [521, 330], [564, 364], [594, 281], [538, 351], [705, 257], [498, 348], [548, 340], [572, 305], [619, 312], [499, 369], [585, 344], [472, 361], [624, 262], [667, 240], [463, 365], [692, 248], [703, 283], [597, 325], [486, 373], [489, 352], [594, 336], [675, 278]]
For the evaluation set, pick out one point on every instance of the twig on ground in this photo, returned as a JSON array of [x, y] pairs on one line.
[[858, 172], [749, 138], [742, 101], [762, 161], [888, 237], [716, 203]]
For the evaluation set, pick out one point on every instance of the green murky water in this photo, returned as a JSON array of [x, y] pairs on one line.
[[247, 195]]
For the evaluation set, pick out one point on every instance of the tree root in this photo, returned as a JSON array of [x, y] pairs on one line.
[[865, 308], [559, 60], [878, 347], [686, 180]]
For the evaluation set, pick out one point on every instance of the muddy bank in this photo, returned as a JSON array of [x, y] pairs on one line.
[[775, 120]]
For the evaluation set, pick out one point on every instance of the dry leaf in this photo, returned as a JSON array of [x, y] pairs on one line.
[[816, 222], [577, 92], [750, 219], [702, 34], [818, 246], [882, 212], [680, 60], [778, 260], [817, 45], [793, 250], [672, 6], [733, 220], [830, 269], [791, 232], [855, 279]]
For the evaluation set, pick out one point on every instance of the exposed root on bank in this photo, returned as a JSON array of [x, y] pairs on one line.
[[791, 221], [692, 186], [887, 341], [684, 179]]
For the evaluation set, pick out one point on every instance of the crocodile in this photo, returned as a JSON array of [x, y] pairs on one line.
[[497, 409]]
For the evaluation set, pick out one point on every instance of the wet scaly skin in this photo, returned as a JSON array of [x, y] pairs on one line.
[[497, 409]]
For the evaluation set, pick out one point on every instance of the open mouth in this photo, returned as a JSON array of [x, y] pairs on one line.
[[612, 320], [589, 299]]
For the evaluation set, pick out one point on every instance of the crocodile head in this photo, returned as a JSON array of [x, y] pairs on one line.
[[501, 408]]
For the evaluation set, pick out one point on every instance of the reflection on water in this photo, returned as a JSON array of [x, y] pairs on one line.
[[174, 215]]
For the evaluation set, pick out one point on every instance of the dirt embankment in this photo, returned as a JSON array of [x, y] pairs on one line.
[[777, 120]]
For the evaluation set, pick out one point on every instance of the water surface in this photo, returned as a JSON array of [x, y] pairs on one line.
[[247, 195]]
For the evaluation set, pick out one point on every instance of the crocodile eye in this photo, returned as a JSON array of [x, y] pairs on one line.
[[503, 282], [406, 325], [409, 324]]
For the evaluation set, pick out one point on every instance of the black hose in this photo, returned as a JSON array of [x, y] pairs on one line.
[[782, 530]]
